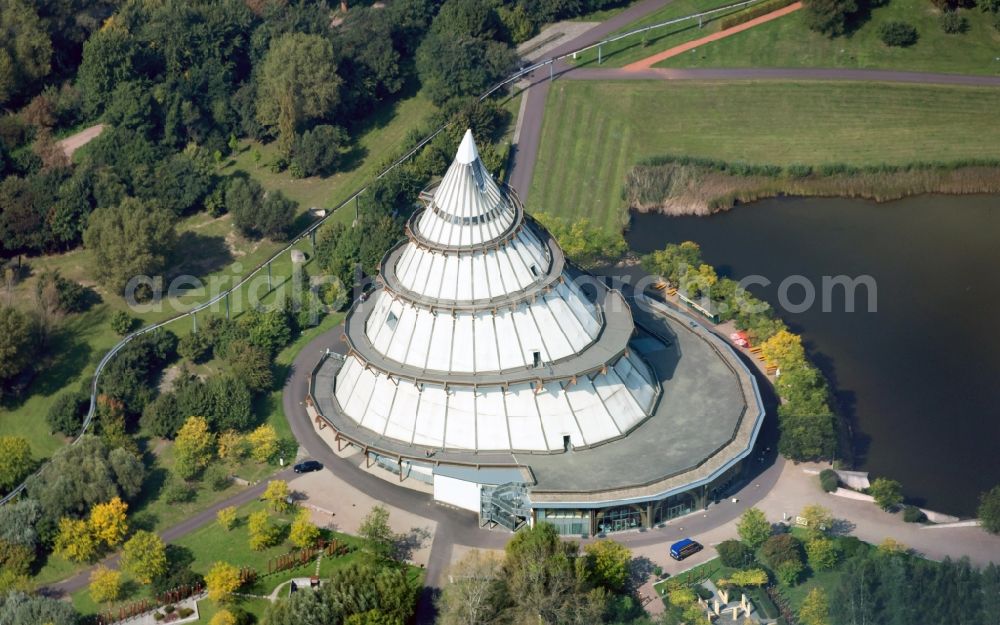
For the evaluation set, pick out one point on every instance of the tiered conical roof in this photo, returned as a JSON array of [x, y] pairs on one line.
[[480, 338]]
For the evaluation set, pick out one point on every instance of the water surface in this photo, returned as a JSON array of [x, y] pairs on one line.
[[919, 379]]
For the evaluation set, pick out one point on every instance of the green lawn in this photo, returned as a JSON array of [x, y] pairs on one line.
[[593, 132], [640, 46], [787, 42]]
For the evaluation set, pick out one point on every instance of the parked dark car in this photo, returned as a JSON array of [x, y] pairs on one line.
[[307, 466]]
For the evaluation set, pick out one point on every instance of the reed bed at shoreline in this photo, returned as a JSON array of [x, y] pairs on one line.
[[691, 186]]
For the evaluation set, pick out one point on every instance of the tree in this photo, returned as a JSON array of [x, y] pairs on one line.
[[582, 241], [79, 476], [105, 584], [608, 563], [251, 364], [318, 151], [122, 323], [454, 66], [735, 554], [162, 417], [818, 519], [15, 461], [815, 608], [257, 213], [75, 541], [18, 608], [898, 34], [25, 49], [194, 447], [110, 57], [829, 17], [18, 345], [822, 554], [232, 446], [891, 546], [263, 533], [784, 349], [222, 581], [195, 347], [263, 443], [989, 510], [108, 522], [276, 494], [753, 528], [145, 556], [18, 537], [132, 239], [67, 412], [829, 480], [474, 594], [226, 517], [298, 82], [789, 571], [223, 617], [380, 540], [887, 493], [304, 532], [231, 405]]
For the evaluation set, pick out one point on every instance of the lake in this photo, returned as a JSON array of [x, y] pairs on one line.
[[919, 378]]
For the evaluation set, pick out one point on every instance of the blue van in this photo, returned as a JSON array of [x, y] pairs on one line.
[[683, 548]]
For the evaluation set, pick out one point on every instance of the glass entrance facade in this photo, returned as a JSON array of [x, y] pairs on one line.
[[566, 522], [619, 519]]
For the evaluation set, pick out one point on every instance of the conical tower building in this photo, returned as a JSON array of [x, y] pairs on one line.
[[481, 337]]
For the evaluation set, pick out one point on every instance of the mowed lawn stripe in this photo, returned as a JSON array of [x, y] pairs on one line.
[[583, 157]]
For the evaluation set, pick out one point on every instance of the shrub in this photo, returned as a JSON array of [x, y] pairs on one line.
[[67, 412], [178, 491], [735, 554], [953, 23], [196, 347], [829, 480], [887, 493], [751, 13], [913, 514], [989, 510], [318, 151], [217, 476], [122, 323], [781, 548], [898, 34], [185, 612]]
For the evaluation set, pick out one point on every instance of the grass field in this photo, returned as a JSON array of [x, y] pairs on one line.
[[638, 47], [787, 42], [593, 132]]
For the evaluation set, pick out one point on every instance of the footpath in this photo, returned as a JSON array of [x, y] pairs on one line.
[[650, 61]]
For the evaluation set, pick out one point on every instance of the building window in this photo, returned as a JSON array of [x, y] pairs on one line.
[[536, 359]]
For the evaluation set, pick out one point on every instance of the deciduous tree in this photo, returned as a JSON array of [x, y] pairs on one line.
[[818, 520], [25, 49], [105, 584], [75, 541], [263, 443], [815, 608], [830, 17], [753, 528], [304, 532], [263, 533], [226, 517], [887, 493], [298, 82], [132, 239], [608, 564], [194, 447], [989, 510], [145, 556], [15, 461], [748, 578], [18, 346], [822, 553], [222, 580], [108, 521], [474, 594], [276, 494]]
